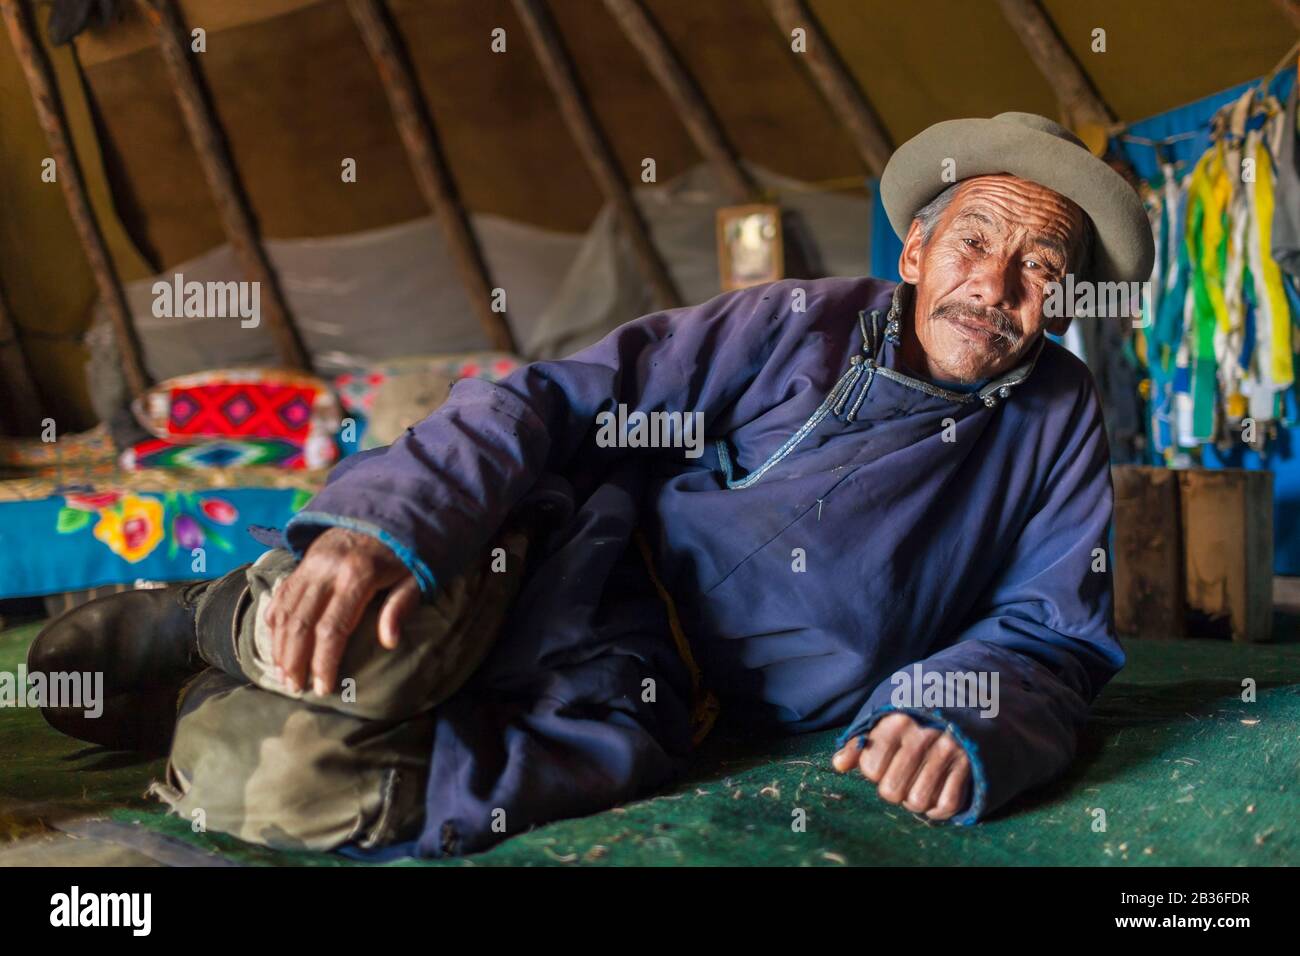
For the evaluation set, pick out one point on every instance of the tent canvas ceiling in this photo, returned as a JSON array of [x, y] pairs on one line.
[[296, 93]]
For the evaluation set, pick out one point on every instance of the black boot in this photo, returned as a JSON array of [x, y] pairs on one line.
[[147, 645]]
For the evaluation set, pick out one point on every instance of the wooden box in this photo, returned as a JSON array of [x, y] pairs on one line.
[[1227, 518], [1148, 553], [1193, 552]]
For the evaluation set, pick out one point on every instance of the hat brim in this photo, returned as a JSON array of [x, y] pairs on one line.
[[1123, 249]]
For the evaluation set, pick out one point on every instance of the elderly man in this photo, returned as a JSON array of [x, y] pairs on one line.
[[898, 523]]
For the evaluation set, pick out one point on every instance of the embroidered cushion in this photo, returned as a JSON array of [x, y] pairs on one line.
[[230, 417]]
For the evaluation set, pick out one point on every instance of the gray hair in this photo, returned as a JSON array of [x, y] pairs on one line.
[[930, 214]]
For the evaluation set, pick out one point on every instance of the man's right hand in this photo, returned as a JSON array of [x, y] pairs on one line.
[[923, 768], [314, 610]]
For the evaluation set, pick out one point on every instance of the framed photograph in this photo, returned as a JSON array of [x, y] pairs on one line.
[[749, 245]]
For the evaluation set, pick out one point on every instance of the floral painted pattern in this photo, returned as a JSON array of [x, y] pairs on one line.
[[134, 525], [132, 528]]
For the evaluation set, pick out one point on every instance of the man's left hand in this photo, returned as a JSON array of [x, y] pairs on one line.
[[923, 768]]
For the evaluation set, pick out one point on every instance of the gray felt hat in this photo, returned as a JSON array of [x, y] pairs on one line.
[[1035, 148]]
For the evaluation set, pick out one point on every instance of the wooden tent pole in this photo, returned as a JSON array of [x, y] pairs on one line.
[[49, 112], [223, 181], [593, 145], [841, 90], [419, 137], [696, 114], [1291, 10], [19, 386], [1079, 100]]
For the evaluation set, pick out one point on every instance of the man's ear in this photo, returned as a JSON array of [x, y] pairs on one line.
[[909, 260]]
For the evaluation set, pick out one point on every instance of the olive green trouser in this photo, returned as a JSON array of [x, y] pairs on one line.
[[297, 770]]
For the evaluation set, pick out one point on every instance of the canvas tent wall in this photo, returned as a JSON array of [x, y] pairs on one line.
[[368, 296], [295, 93]]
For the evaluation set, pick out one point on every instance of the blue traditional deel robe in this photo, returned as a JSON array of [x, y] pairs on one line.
[[845, 522]]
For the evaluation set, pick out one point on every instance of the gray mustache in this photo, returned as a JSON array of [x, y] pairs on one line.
[[1002, 324]]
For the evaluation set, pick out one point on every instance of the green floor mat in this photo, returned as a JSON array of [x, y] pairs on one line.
[[1185, 771]]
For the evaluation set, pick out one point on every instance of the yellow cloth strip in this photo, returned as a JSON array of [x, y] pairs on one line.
[[1280, 371], [1210, 183]]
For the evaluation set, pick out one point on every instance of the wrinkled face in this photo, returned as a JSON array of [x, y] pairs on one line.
[[981, 278]]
